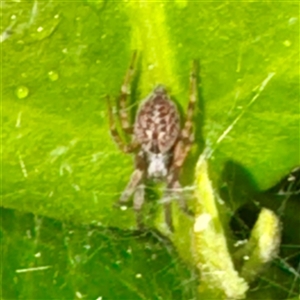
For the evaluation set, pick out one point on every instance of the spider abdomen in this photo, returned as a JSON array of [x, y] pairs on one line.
[[157, 124]]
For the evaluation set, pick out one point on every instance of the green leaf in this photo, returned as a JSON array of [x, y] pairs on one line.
[[59, 159], [61, 59]]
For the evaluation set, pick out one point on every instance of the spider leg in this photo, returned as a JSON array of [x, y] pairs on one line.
[[123, 114], [176, 187], [174, 191], [183, 145], [167, 204], [187, 128], [125, 91], [168, 214], [127, 148], [186, 140], [131, 187], [136, 187], [138, 201]]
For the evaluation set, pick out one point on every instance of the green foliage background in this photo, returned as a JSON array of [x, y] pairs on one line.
[[58, 157]]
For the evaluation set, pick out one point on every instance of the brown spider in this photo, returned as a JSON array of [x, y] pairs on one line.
[[161, 146]]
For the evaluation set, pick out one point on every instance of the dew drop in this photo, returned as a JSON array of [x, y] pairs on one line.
[[123, 207], [40, 29], [150, 67], [293, 21], [53, 76], [22, 92]]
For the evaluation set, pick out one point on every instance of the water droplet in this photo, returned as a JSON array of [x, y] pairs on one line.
[[53, 76], [293, 21], [56, 16], [13, 17], [40, 29], [22, 92], [150, 67], [287, 43]]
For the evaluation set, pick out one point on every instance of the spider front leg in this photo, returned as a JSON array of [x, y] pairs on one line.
[[186, 139], [127, 148], [123, 112], [125, 92], [183, 147]]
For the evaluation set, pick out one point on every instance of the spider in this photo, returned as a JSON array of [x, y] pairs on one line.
[[159, 144]]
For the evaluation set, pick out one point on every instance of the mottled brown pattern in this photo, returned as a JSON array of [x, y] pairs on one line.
[[157, 123]]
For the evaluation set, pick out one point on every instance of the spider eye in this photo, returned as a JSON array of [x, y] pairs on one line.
[[160, 89]]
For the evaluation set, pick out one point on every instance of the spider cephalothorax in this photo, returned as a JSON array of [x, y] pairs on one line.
[[161, 146]]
